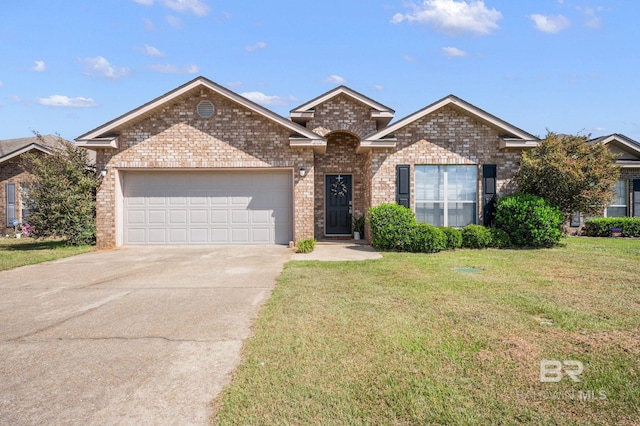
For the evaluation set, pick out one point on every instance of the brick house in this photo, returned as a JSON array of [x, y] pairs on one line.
[[14, 180], [204, 165]]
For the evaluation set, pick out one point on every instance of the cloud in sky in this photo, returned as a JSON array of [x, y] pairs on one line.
[[452, 16], [60, 101], [453, 52], [196, 7], [267, 100], [258, 46], [410, 58], [174, 21], [378, 87], [39, 66], [335, 79], [148, 24], [592, 20], [152, 51], [172, 69], [550, 24], [100, 67], [1, 83]]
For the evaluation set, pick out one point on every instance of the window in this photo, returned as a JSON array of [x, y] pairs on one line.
[[24, 201], [10, 189], [619, 207], [446, 195]]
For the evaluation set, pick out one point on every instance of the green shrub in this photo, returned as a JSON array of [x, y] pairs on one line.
[[475, 236], [391, 226], [453, 237], [426, 239], [499, 238], [529, 220], [601, 226], [306, 246]]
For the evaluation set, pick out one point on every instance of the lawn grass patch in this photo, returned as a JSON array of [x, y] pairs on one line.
[[407, 339], [16, 252]]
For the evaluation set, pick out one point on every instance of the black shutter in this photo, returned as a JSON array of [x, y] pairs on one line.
[[636, 197], [403, 185], [489, 173], [11, 203]]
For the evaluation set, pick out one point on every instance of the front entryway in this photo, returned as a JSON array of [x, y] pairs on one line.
[[338, 204]]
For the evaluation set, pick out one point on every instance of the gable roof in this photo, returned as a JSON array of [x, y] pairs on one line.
[[11, 148], [381, 113], [511, 136], [628, 146], [106, 135]]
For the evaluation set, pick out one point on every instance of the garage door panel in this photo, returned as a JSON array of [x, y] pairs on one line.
[[208, 208]]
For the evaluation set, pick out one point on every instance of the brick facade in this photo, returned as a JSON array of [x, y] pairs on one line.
[[11, 171]]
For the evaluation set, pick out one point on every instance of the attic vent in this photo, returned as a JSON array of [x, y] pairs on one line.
[[205, 109]]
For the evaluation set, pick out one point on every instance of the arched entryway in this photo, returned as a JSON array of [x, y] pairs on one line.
[[339, 186]]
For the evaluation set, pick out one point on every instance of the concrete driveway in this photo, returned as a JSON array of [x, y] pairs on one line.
[[146, 335]]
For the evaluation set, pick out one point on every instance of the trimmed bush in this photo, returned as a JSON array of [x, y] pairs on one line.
[[453, 237], [391, 226], [427, 239], [306, 246], [529, 220], [499, 238], [475, 236], [601, 226]]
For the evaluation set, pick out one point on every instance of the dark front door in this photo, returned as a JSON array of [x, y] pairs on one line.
[[338, 204]]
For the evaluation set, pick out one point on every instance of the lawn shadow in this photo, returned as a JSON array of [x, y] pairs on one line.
[[34, 245]]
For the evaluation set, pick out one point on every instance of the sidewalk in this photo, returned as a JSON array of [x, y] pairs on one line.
[[349, 250]]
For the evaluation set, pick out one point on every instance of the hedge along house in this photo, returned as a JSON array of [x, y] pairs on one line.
[[204, 165]]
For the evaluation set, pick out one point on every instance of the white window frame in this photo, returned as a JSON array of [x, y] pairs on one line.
[[445, 192], [625, 184]]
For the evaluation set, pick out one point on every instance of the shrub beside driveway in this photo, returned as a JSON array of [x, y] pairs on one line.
[[15, 252], [417, 339]]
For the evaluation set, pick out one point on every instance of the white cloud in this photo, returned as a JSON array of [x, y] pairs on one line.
[[335, 79], [197, 7], [452, 16], [550, 24], [172, 69], [99, 66], [152, 51], [259, 45], [174, 21], [600, 129], [39, 66], [148, 24], [262, 99], [410, 58], [378, 87], [592, 21], [234, 84], [1, 83], [454, 52], [60, 101]]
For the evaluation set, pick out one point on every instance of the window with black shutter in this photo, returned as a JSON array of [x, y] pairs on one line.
[[403, 185], [489, 173]]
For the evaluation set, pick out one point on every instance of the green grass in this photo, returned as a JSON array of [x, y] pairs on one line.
[[26, 251], [407, 340]]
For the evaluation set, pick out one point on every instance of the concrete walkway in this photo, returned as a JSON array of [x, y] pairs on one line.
[[139, 335], [334, 251]]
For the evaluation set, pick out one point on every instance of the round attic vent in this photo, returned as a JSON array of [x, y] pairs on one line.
[[205, 109]]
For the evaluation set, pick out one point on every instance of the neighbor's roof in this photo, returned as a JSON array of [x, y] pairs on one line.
[[10, 148]]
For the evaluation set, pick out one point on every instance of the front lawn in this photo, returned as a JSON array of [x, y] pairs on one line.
[[16, 252], [409, 340]]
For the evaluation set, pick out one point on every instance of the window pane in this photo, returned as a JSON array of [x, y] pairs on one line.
[[461, 214], [616, 211], [431, 213], [462, 183], [621, 193], [429, 183]]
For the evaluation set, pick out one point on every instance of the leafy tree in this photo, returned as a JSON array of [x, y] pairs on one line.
[[61, 198], [568, 172]]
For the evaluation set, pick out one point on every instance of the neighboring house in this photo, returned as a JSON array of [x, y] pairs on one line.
[[204, 165], [14, 180], [627, 199]]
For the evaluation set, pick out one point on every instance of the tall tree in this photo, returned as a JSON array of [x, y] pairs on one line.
[[567, 171], [61, 199]]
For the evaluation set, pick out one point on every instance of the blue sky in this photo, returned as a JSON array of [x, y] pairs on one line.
[[570, 66]]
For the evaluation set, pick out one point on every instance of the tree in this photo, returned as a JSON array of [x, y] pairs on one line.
[[570, 173], [61, 198]]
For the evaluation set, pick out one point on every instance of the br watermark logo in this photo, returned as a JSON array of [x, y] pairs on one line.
[[553, 371]]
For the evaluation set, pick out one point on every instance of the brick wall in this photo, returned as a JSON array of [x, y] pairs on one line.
[[11, 172], [342, 113], [446, 136], [176, 137]]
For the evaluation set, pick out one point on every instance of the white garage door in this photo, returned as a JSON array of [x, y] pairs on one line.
[[208, 208]]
